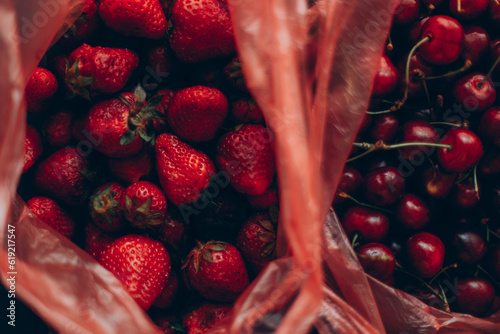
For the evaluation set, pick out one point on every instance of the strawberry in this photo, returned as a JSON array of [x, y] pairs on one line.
[[216, 270], [167, 297], [245, 110], [144, 204], [172, 232], [33, 148], [131, 169], [201, 30], [257, 241], [57, 131], [234, 74], [84, 27], [96, 239], [160, 124], [247, 155], [53, 215], [139, 18], [160, 62], [141, 264], [169, 324], [92, 71], [104, 207], [196, 113], [265, 201], [64, 175], [183, 171], [206, 316], [40, 90]]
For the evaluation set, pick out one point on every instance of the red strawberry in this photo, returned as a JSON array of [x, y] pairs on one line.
[[257, 241], [265, 201], [104, 207], [144, 203], [196, 113], [98, 70], [169, 324], [96, 239], [64, 175], [57, 131], [160, 124], [206, 316], [140, 18], [201, 30], [234, 74], [33, 148], [141, 264], [160, 61], [84, 27], [172, 232], [183, 171], [247, 155], [245, 110], [216, 270], [131, 169], [53, 215], [167, 297], [41, 88]]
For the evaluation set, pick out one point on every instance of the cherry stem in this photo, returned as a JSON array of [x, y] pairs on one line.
[[446, 123], [380, 145], [496, 1], [354, 242], [362, 154], [344, 195], [488, 274], [443, 271], [445, 300], [476, 187], [390, 46], [459, 6], [421, 281], [490, 72], [460, 180], [493, 233], [426, 90], [464, 68]]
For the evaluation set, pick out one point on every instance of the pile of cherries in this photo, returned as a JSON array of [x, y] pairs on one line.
[[420, 194]]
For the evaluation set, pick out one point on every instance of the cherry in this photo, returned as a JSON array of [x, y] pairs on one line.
[[418, 132], [384, 127], [467, 245], [377, 260], [445, 40], [365, 123], [425, 254], [470, 9], [406, 12], [412, 212], [466, 151], [416, 29], [490, 164], [475, 296], [489, 127], [350, 182], [437, 183], [418, 66], [476, 45], [376, 161], [494, 260], [494, 11], [370, 225], [383, 186], [463, 195], [475, 92], [386, 77]]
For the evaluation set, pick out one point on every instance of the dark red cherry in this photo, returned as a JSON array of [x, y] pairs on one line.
[[476, 45], [383, 186], [463, 195], [475, 296], [416, 29], [466, 150], [370, 225], [386, 77], [417, 65], [447, 40], [377, 260], [425, 254], [467, 245], [494, 261], [489, 127], [494, 43], [406, 12], [380, 160], [412, 212], [428, 297], [384, 127], [490, 164], [350, 182], [494, 11], [418, 132], [470, 9], [437, 183], [474, 93], [365, 123]]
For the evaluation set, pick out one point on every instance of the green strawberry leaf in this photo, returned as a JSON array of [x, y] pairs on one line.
[[139, 95], [145, 208], [153, 103], [88, 174], [274, 214], [127, 138], [267, 225], [207, 256]]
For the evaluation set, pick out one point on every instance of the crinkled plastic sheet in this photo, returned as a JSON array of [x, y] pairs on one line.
[[311, 72]]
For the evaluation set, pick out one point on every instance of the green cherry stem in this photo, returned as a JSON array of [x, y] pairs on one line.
[[490, 72], [488, 274], [344, 195], [443, 271], [380, 145], [446, 123], [476, 186], [445, 300], [464, 68], [354, 242], [459, 6], [434, 291]]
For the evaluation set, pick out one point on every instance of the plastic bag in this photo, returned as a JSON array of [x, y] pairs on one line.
[[311, 72]]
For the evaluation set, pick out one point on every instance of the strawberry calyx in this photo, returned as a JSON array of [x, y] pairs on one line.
[[235, 74], [140, 214], [203, 251], [77, 84], [104, 206], [268, 237]]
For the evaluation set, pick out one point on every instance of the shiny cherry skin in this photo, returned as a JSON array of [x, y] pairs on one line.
[[376, 161], [447, 40], [463, 195], [475, 297], [425, 254], [350, 183], [384, 127], [473, 95], [377, 260], [494, 260], [384, 186], [489, 165], [386, 77], [417, 64], [467, 245], [370, 225], [471, 9], [412, 212], [415, 30], [418, 132], [437, 183], [476, 45], [489, 127], [406, 12], [466, 150]]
